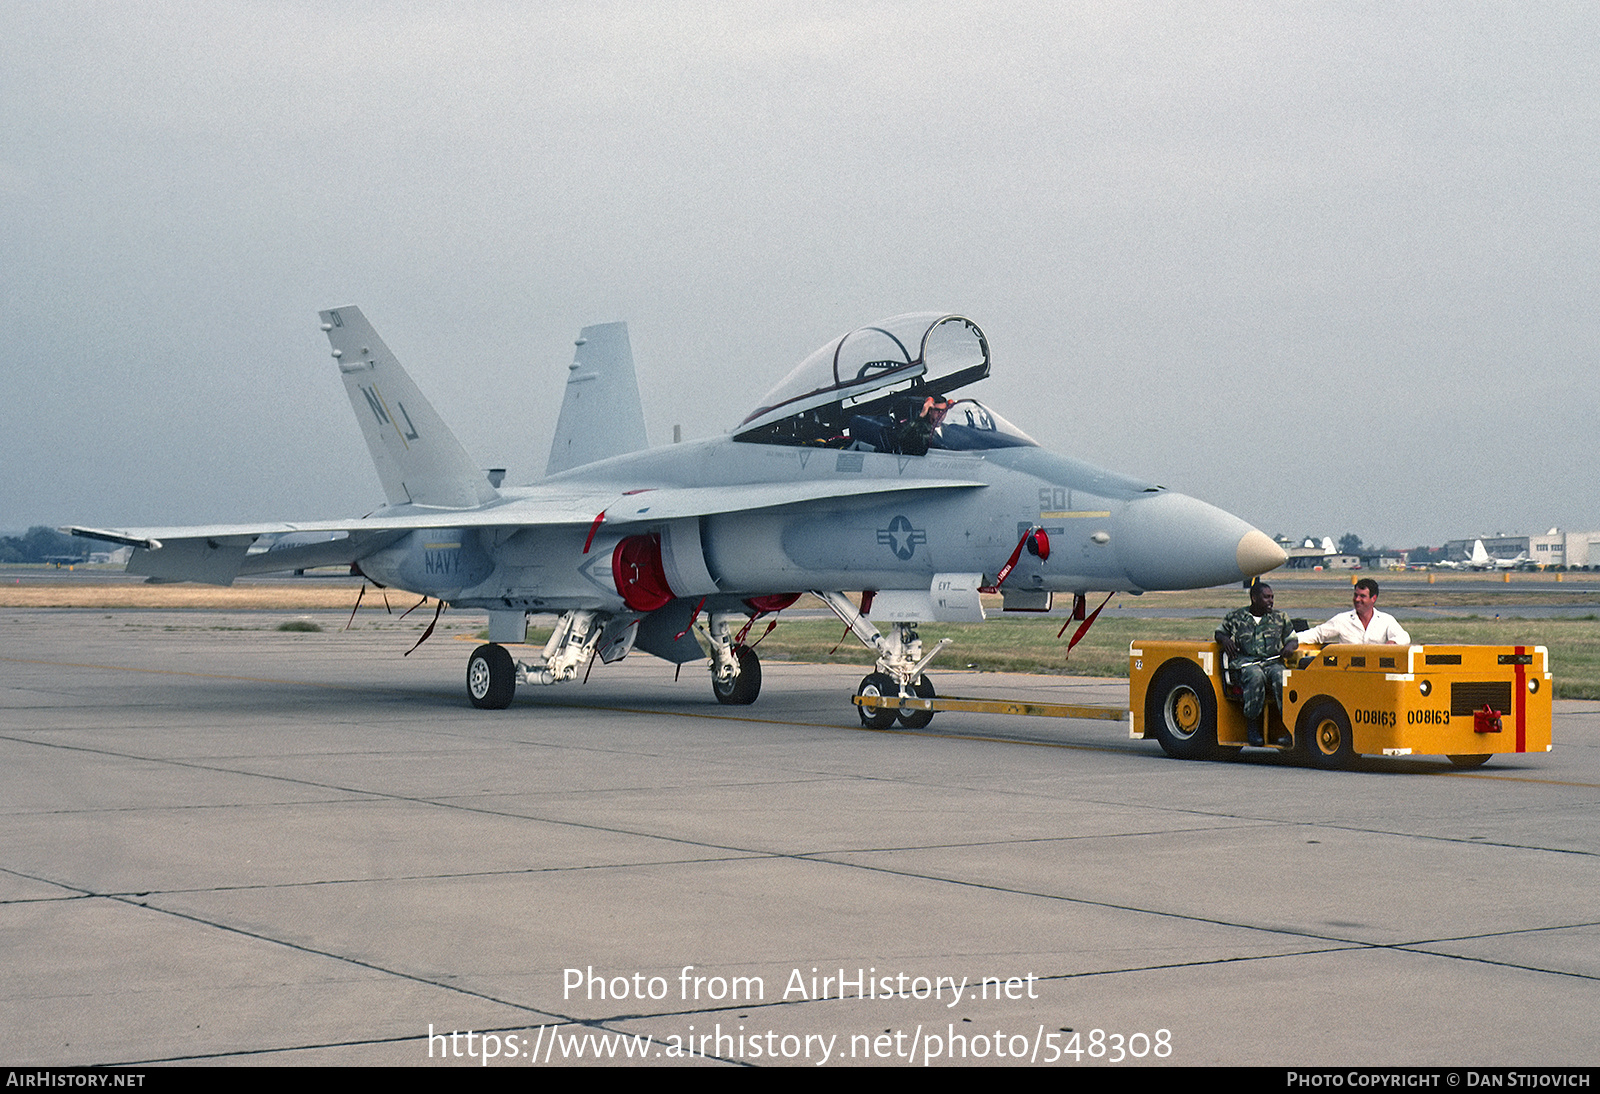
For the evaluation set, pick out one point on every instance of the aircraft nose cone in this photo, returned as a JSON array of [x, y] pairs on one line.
[[1257, 553], [1173, 541]]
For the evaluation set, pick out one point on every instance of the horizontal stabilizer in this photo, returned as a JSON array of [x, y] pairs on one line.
[[218, 554], [601, 415], [208, 561]]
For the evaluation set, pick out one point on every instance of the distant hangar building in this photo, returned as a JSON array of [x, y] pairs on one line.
[[1553, 548]]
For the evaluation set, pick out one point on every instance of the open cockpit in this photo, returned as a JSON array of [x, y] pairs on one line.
[[885, 388]]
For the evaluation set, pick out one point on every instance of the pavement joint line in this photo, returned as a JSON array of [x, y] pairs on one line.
[[815, 858], [1183, 916], [133, 902], [408, 798], [605, 1022], [453, 802], [245, 1052], [1463, 840], [890, 731], [1446, 812], [448, 803], [181, 672], [1415, 948], [812, 857], [771, 855], [463, 875], [367, 796], [745, 856]]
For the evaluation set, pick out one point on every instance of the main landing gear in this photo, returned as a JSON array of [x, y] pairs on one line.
[[899, 672], [741, 689], [493, 674], [580, 636], [735, 668]]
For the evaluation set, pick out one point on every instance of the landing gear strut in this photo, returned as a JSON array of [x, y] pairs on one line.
[[735, 668], [900, 665], [581, 636], [493, 674]]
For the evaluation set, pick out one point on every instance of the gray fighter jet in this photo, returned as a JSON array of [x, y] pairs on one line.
[[861, 471]]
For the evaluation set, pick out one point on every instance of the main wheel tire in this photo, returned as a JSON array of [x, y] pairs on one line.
[[742, 690], [878, 684], [1470, 760], [1182, 709], [1328, 740], [491, 677], [918, 719]]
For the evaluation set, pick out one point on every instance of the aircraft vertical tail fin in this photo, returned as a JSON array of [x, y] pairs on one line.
[[418, 459], [601, 415]]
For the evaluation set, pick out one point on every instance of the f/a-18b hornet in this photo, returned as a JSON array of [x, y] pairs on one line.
[[861, 471]]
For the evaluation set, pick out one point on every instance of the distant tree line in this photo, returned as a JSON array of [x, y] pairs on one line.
[[39, 544]]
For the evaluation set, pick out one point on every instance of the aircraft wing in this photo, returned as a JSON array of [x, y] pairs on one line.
[[674, 502], [216, 553]]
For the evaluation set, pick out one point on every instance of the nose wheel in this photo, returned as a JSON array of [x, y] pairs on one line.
[[917, 719], [882, 685]]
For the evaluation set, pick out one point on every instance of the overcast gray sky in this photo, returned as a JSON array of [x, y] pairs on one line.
[[1329, 266]]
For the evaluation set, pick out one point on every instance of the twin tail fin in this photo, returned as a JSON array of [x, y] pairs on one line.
[[419, 460]]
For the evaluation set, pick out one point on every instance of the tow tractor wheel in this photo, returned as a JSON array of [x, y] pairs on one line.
[[1471, 760], [491, 677], [918, 719], [1182, 709], [878, 684], [1328, 739], [742, 690]]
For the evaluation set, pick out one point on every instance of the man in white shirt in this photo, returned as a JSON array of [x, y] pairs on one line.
[[1366, 624]]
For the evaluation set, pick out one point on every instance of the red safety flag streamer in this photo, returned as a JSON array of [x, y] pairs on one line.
[[692, 617], [748, 623], [771, 623], [1011, 563], [593, 528], [414, 607], [867, 596], [1084, 628], [429, 632]]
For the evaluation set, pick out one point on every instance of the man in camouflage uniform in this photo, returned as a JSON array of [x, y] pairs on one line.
[[1256, 639]]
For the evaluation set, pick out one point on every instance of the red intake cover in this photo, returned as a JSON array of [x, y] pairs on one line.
[[776, 602], [636, 568]]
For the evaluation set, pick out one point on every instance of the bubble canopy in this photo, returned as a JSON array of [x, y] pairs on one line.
[[933, 352]]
